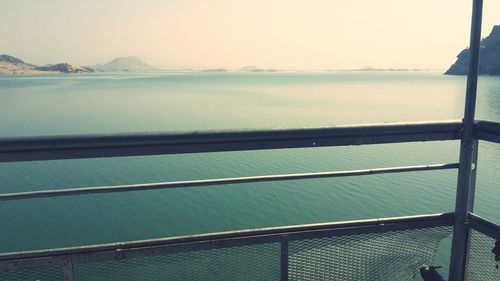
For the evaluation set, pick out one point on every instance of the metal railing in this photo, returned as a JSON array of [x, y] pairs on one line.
[[30, 149], [64, 147], [67, 258]]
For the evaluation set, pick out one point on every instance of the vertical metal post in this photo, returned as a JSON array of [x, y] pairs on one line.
[[472, 184], [468, 154], [284, 260], [68, 274]]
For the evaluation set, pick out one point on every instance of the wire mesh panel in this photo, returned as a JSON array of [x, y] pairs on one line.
[[481, 264], [52, 273], [368, 252], [256, 262], [393, 255]]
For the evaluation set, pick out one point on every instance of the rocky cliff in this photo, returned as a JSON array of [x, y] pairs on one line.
[[489, 57]]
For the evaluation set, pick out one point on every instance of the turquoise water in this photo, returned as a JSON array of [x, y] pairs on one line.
[[109, 103]]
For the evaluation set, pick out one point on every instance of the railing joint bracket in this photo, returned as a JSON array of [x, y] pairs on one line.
[[120, 254]]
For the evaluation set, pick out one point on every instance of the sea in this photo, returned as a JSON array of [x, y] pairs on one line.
[[68, 104]]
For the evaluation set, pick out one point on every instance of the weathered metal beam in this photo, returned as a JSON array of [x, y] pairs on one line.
[[284, 260], [484, 226], [468, 154], [48, 261], [94, 146], [150, 247], [218, 182], [68, 273], [487, 131]]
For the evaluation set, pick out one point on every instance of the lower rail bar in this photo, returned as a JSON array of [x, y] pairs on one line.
[[484, 226], [224, 181], [151, 247]]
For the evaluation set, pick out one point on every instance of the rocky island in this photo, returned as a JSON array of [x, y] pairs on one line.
[[489, 57], [13, 65], [253, 68], [125, 64], [65, 68], [214, 70]]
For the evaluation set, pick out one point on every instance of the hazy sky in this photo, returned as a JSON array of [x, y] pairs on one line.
[[284, 34]]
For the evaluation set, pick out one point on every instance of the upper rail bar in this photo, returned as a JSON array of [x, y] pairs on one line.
[[115, 145], [484, 226], [220, 240], [222, 181]]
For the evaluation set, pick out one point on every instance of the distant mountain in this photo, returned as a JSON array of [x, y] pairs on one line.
[[128, 64], [65, 68], [214, 70], [253, 68], [249, 68], [489, 58], [12, 60], [10, 64], [369, 68]]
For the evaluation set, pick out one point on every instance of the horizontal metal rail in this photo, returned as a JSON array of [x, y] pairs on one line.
[[151, 247], [487, 131], [115, 145], [484, 226], [222, 181]]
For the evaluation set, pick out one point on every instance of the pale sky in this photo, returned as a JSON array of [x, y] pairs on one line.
[[283, 34]]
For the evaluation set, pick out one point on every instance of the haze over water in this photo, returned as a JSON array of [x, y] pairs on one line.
[[281, 34]]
